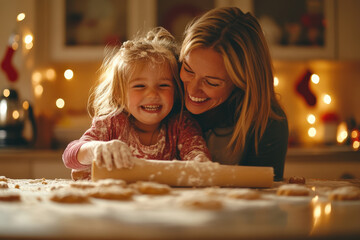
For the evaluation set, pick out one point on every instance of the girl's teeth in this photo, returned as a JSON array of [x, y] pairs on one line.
[[196, 99], [151, 107]]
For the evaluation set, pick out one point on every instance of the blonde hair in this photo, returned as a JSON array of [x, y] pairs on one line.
[[157, 47], [238, 37]]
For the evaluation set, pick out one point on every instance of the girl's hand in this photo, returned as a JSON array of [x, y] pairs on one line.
[[113, 154], [201, 158]]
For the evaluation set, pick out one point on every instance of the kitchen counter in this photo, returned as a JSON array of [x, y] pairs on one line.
[[327, 162], [165, 217]]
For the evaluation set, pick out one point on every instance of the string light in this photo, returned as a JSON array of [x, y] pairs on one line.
[[315, 78], [50, 74], [60, 103], [356, 145], [25, 105], [312, 132], [36, 78], [276, 81], [6, 92], [20, 17], [327, 99], [311, 118], [38, 90], [342, 132], [15, 114], [68, 74], [354, 134], [28, 40]]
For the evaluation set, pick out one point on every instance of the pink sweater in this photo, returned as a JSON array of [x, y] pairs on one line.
[[176, 140]]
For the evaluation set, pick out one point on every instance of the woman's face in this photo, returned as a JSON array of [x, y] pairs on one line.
[[206, 81]]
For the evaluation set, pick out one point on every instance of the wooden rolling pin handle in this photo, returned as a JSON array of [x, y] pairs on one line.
[[189, 174]]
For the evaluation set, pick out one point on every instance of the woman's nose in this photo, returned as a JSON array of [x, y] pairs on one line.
[[193, 85]]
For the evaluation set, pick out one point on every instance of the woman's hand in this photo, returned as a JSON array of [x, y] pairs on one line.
[[112, 154]]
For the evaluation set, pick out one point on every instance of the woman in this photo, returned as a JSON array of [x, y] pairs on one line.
[[228, 82]]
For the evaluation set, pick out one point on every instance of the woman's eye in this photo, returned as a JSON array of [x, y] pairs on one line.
[[165, 85], [211, 83], [188, 70]]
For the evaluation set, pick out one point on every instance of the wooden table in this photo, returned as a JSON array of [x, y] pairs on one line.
[[164, 217]]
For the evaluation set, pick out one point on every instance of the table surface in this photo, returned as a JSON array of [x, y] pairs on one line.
[[165, 217]]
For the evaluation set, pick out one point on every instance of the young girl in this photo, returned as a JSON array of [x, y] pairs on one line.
[[137, 110]]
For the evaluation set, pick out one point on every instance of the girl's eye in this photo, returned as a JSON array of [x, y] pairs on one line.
[[138, 86], [165, 85]]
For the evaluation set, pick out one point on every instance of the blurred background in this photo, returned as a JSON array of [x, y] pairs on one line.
[[51, 50]]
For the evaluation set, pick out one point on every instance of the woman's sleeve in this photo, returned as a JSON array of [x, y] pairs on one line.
[[99, 131], [190, 140], [272, 148]]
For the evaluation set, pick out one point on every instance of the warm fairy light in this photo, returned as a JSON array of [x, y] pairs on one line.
[[6, 92], [38, 90], [317, 212], [315, 199], [342, 132], [36, 77], [311, 118], [68, 74], [315, 78], [356, 145], [276, 81], [327, 99], [25, 105], [14, 45], [29, 46], [312, 132], [327, 209], [354, 134], [15, 114], [28, 40], [60, 103], [341, 137], [20, 17], [50, 74]]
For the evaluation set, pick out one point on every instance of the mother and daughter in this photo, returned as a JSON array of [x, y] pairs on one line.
[[232, 115]]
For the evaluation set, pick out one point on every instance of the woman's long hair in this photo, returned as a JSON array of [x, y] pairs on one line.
[[238, 37]]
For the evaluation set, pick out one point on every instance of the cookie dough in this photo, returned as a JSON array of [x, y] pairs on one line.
[[293, 190]]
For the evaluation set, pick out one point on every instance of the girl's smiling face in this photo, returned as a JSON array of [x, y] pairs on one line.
[[150, 95], [206, 81]]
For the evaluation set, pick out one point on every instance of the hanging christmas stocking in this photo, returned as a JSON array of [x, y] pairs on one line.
[[303, 88], [7, 66]]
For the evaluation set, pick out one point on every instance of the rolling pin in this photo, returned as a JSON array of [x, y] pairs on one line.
[[189, 174]]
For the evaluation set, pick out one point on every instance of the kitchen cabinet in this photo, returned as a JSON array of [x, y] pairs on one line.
[[341, 36], [348, 31], [332, 162], [29, 163]]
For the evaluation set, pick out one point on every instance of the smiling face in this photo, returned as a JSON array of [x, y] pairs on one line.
[[150, 95], [206, 81]]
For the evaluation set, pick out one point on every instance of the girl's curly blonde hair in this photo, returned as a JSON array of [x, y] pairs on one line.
[[157, 47]]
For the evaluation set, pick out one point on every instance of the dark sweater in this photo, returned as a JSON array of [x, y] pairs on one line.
[[218, 124]]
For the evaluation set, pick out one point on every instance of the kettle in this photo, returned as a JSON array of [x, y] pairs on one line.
[[13, 117]]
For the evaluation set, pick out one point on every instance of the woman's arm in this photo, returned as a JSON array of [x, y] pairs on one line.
[[271, 150]]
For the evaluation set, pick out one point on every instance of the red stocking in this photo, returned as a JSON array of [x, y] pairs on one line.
[[303, 88], [7, 66]]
